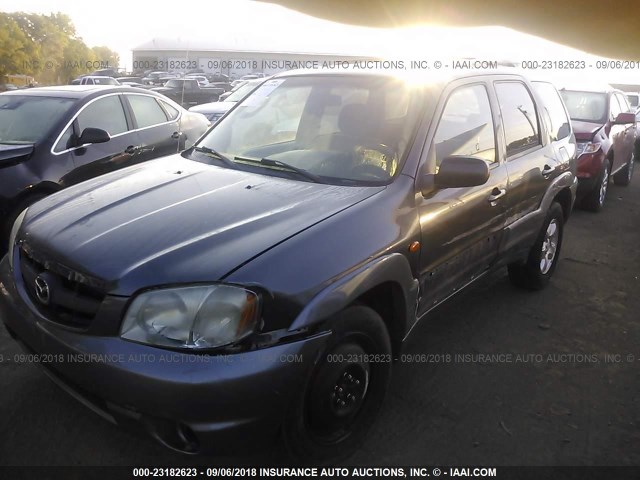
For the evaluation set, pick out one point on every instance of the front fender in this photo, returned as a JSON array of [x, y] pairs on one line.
[[393, 269]]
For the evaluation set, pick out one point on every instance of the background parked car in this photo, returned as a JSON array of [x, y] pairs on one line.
[[605, 129], [54, 137], [188, 92], [215, 110], [154, 78], [95, 80]]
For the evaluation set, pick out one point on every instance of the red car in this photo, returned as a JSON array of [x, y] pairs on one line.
[[605, 129]]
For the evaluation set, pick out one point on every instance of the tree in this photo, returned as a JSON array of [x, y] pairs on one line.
[[107, 57], [18, 53]]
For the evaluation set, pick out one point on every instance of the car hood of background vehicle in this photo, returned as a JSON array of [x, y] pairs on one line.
[[14, 151], [174, 220], [213, 107], [585, 130]]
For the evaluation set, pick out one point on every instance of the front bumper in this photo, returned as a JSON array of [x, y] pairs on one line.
[[191, 403]]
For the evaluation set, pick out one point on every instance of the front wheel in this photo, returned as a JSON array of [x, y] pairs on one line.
[[594, 200], [624, 176], [345, 391], [536, 272]]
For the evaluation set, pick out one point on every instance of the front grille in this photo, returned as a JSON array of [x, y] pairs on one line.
[[67, 301]]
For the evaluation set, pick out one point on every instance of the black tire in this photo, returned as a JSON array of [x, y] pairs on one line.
[[624, 176], [594, 201], [5, 229], [534, 274], [318, 427]]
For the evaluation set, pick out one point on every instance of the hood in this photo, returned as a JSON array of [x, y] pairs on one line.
[[585, 131], [162, 89], [213, 107], [14, 152], [174, 220]]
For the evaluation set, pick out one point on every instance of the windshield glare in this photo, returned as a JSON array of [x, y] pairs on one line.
[[586, 106], [241, 92], [28, 119], [342, 129]]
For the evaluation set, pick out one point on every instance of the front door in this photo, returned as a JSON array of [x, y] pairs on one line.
[[461, 227]]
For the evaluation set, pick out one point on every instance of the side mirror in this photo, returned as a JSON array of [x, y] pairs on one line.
[[458, 172], [93, 135], [624, 117]]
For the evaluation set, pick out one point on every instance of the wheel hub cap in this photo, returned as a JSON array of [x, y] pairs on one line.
[[549, 247], [604, 185], [349, 391]]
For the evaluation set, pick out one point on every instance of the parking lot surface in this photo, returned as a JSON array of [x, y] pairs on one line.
[[497, 376]]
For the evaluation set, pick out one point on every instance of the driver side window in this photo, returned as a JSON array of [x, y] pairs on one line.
[[466, 126]]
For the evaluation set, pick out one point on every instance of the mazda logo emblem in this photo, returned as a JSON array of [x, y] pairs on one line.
[[42, 290]]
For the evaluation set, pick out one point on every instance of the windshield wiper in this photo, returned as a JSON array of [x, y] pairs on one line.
[[214, 153], [277, 163]]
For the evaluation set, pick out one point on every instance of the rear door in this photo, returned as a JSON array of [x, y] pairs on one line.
[[461, 227], [557, 125], [107, 113], [157, 124], [531, 164]]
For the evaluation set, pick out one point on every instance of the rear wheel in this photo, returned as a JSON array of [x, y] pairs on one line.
[[535, 273], [344, 394], [624, 176], [594, 200]]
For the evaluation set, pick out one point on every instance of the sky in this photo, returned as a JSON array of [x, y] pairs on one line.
[[144, 20]]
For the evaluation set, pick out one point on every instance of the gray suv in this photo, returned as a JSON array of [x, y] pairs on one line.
[[262, 282]]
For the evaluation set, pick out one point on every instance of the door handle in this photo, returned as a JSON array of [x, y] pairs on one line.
[[176, 135], [496, 194], [547, 170], [131, 149]]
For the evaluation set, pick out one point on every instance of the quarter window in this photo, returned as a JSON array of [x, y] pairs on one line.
[[466, 126], [64, 142], [553, 110], [518, 116], [171, 111], [105, 113], [146, 111]]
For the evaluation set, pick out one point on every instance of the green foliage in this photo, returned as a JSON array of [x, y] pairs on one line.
[[47, 47], [107, 56]]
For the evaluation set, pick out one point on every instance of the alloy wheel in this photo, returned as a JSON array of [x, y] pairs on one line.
[[549, 247]]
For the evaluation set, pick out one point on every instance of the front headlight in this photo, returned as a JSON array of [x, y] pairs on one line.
[[196, 317], [14, 233], [589, 147]]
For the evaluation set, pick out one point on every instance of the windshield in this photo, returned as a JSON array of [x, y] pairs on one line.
[[28, 119], [633, 100], [586, 106], [241, 92], [342, 129]]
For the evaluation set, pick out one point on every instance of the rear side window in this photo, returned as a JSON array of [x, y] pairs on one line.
[[519, 117], [106, 113], [553, 110], [466, 126], [146, 110]]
